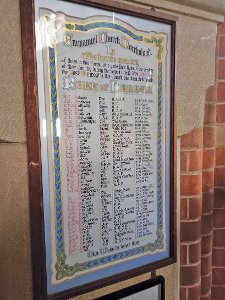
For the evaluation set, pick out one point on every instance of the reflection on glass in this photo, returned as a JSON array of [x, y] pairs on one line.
[[44, 129]]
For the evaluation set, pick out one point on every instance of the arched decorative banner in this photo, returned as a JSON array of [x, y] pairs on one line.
[[101, 142]]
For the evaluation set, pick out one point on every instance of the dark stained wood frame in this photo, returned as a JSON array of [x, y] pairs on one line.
[[37, 229]]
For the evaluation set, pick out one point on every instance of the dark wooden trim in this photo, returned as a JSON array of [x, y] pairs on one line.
[[174, 213], [173, 149], [34, 150]]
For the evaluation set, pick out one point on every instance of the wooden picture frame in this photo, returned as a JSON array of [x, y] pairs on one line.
[[38, 180], [152, 289]]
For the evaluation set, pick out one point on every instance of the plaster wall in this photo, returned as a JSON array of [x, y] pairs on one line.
[[196, 38], [216, 6]]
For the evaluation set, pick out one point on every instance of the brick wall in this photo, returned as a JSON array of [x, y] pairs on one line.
[[218, 258], [202, 248], [208, 167], [191, 210]]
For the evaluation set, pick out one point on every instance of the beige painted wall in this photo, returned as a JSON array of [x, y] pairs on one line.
[[195, 73], [216, 6]]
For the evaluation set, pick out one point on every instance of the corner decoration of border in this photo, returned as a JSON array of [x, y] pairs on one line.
[[63, 269]]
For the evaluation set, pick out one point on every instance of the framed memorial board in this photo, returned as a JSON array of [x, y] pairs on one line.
[[99, 97], [152, 289]]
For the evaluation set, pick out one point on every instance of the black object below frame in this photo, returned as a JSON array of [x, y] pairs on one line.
[[136, 288]]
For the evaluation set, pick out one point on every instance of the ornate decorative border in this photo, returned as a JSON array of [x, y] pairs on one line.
[[106, 25], [64, 270], [158, 41]]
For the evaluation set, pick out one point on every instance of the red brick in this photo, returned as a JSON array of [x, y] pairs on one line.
[[210, 114], [190, 275], [183, 254], [183, 294], [208, 159], [219, 238], [219, 218], [218, 292], [194, 253], [219, 203], [220, 113], [220, 156], [221, 69], [194, 292], [195, 208], [206, 265], [221, 88], [184, 161], [206, 283], [191, 185], [206, 297], [220, 176], [218, 257], [207, 181], [218, 276], [219, 198], [221, 50], [206, 244], [221, 29], [209, 136], [193, 139], [211, 93], [190, 231], [207, 202], [195, 160], [183, 209], [207, 223]]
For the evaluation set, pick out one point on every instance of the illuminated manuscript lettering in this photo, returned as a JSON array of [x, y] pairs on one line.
[[105, 82]]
